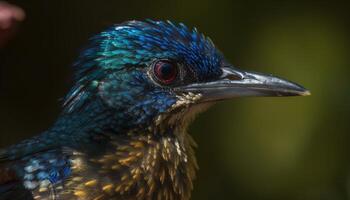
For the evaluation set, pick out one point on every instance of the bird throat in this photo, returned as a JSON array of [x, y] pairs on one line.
[[155, 164]]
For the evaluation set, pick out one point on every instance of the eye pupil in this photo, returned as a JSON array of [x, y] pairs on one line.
[[165, 71]]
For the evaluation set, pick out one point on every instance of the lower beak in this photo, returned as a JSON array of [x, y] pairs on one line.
[[236, 83]]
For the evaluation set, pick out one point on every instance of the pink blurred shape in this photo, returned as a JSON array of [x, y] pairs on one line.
[[10, 16]]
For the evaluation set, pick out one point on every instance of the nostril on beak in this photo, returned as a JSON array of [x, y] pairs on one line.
[[233, 77]]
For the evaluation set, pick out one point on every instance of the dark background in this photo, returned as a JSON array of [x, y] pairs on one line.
[[251, 148]]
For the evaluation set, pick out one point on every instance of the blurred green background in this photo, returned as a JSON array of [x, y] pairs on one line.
[[251, 148]]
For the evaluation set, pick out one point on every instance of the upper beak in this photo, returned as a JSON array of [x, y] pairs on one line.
[[237, 83]]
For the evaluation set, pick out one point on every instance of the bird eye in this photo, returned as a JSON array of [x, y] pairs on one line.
[[165, 71]]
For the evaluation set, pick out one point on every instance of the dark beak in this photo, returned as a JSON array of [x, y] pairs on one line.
[[237, 83]]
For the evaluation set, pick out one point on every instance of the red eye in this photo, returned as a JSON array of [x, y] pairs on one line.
[[165, 71]]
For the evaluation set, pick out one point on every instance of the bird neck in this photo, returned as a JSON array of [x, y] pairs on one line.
[[149, 161], [157, 162]]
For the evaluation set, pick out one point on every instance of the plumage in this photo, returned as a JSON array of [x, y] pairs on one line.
[[122, 133]]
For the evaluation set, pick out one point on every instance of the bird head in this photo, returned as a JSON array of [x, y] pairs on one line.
[[148, 72]]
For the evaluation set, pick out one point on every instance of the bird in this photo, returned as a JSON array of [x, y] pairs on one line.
[[122, 133]]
